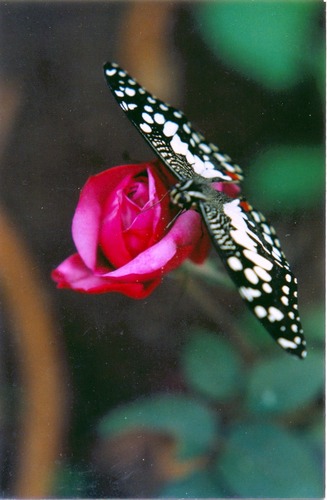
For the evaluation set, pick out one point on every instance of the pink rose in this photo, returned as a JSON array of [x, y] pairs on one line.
[[122, 234]]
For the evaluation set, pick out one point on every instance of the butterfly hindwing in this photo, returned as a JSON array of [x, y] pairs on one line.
[[250, 251], [169, 133]]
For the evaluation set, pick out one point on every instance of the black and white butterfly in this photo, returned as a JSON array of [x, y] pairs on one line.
[[245, 241]]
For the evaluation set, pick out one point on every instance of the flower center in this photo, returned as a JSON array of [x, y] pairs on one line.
[[138, 192]]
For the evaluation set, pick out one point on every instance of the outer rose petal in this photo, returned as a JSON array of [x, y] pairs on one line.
[[73, 274], [169, 252]]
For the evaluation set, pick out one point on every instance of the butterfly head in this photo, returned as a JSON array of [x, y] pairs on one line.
[[187, 194]]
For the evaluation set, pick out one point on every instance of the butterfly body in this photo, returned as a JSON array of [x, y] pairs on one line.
[[191, 192], [245, 241]]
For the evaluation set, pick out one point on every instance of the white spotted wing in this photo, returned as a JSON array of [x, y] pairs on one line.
[[246, 243], [169, 133], [251, 253]]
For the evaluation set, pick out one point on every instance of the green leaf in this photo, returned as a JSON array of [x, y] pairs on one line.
[[284, 384], [314, 323], [265, 40], [70, 481], [266, 461], [289, 177], [192, 424], [211, 366], [255, 333], [316, 59], [315, 436], [199, 485]]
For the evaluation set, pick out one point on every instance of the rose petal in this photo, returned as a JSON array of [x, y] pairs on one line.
[[229, 188], [73, 274], [169, 252], [111, 232], [86, 221], [128, 229]]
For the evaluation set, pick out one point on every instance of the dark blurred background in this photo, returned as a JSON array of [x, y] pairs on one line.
[[250, 75]]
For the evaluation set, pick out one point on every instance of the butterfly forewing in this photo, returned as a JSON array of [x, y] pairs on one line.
[[250, 251], [169, 133]]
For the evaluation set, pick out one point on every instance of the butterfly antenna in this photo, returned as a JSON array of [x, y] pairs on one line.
[[176, 217], [146, 209]]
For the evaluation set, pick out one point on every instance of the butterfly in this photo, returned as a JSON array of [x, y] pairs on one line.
[[246, 243]]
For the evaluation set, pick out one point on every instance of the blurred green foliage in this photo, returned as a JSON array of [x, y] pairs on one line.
[[268, 391], [314, 323], [211, 366], [264, 460], [167, 413], [257, 451], [292, 176], [70, 480], [198, 485], [269, 41]]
